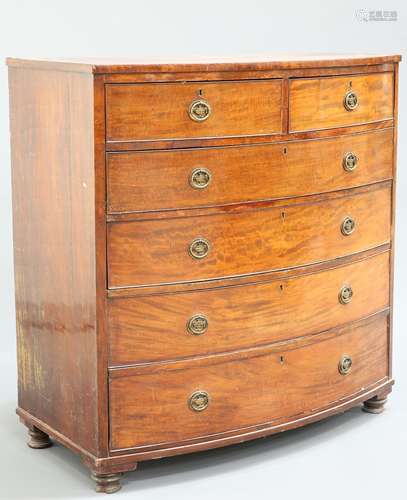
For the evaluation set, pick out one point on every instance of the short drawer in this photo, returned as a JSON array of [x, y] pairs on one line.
[[229, 244], [166, 111], [318, 103], [171, 326], [161, 404], [161, 180]]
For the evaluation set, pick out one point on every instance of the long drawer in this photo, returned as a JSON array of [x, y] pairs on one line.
[[157, 111], [329, 102], [161, 180], [191, 399], [170, 326], [229, 244]]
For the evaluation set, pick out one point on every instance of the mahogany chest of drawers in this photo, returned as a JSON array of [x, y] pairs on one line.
[[203, 249]]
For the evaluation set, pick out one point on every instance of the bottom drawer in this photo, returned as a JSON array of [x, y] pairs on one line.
[[169, 403]]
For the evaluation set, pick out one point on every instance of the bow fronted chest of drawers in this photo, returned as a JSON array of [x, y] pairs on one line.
[[203, 249]]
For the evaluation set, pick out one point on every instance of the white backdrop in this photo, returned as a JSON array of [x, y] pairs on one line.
[[353, 454]]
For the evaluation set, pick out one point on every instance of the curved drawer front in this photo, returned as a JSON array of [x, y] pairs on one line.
[[207, 247], [186, 400], [157, 180], [171, 326], [193, 110], [318, 103]]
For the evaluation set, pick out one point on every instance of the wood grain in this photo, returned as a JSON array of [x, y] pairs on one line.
[[171, 144], [154, 328], [160, 180], [54, 249], [253, 279], [238, 109], [150, 252], [104, 214], [254, 62], [317, 103], [152, 406]]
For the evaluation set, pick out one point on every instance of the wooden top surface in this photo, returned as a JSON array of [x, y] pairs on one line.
[[255, 62]]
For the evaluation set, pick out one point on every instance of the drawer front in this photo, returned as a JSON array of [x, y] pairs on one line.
[[143, 181], [196, 398], [171, 326], [193, 110], [207, 247], [318, 103]]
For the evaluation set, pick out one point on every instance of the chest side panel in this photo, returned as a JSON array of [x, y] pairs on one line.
[[54, 249]]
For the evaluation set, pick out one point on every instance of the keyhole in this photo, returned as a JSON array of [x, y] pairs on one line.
[[285, 151], [283, 215], [281, 287], [350, 84], [281, 360], [200, 92]]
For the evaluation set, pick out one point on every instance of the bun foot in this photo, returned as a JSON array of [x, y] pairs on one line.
[[374, 405], [106, 483], [38, 439]]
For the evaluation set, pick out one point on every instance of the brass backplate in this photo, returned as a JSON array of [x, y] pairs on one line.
[[345, 364], [199, 248], [199, 110], [351, 101], [200, 178], [350, 162], [346, 294], [198, 324], [199, 400], [348, 226]]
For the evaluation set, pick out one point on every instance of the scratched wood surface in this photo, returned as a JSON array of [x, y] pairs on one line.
[[54, 249]]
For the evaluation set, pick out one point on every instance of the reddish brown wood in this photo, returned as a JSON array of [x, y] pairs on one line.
[[38, 439], [178, 76], [282, 274], [251, 242], [51, 115], [258, 389], [101, 264], [275, 232], [247, 140], [160, 180], [393, 211], [126, 460], [149, 328], [254, 62], [319, 103], [238, 109], [239, 207]]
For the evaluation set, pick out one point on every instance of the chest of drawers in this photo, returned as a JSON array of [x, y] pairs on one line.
[[203, 249]]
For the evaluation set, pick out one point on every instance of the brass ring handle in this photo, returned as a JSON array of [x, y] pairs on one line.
[[346, 294], [200, 178], [345, 364], [199, 110], [199, 248], [197, 325], [350, 101], [199, 401], [348, 226], [350, 162]]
